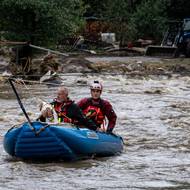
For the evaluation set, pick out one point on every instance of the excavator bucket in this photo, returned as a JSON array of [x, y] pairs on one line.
[[161, 51]]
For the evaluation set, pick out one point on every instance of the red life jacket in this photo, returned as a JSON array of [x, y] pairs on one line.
[[61, 110], [95, 113]]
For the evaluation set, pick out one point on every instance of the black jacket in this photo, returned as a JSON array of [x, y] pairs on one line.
[[73, 112]]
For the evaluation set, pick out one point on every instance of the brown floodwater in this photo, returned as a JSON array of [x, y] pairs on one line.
[[153, 118]]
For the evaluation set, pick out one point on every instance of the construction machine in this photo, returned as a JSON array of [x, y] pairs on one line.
[[176, 41]]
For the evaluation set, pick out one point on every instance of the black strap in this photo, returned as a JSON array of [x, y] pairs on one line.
[[21, 105]]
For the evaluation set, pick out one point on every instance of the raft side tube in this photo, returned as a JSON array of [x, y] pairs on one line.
[[10, 139]]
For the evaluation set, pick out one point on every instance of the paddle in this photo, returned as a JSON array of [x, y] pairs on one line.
[[21, 105]]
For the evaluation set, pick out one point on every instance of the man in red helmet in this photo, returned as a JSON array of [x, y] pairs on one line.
[[97, 109]]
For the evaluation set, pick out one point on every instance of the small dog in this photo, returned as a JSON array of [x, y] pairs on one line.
[[48, 112]]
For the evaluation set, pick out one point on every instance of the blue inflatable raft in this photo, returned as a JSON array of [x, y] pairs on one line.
[[63, 142]]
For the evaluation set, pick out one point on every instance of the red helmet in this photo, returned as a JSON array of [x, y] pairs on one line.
[[96, 85]]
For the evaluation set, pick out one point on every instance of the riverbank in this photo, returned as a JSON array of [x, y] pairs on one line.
[[142, 65], [127, 65]]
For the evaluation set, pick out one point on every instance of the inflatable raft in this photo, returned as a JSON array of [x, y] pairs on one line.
[[63, 142]]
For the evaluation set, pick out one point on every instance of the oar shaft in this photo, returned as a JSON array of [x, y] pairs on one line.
[[21, 105]]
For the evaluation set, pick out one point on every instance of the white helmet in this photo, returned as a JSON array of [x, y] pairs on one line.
[[96, 85]]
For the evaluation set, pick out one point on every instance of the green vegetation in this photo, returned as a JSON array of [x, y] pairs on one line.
[[40, 21], [46, 22], [133, 19], [149, 20]]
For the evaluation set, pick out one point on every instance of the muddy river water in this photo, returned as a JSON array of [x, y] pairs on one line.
[[153, 119]]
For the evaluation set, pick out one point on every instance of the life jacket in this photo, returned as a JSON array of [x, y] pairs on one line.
[[94, 112], [50, 119], [62, 111]]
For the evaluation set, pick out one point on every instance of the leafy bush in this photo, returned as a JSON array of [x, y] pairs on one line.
[[40, 21], [149, 19]]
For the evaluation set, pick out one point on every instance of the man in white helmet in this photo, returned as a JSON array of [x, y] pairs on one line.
[[96, 108]]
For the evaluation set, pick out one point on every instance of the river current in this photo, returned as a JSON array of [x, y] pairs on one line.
[[153, 119]]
